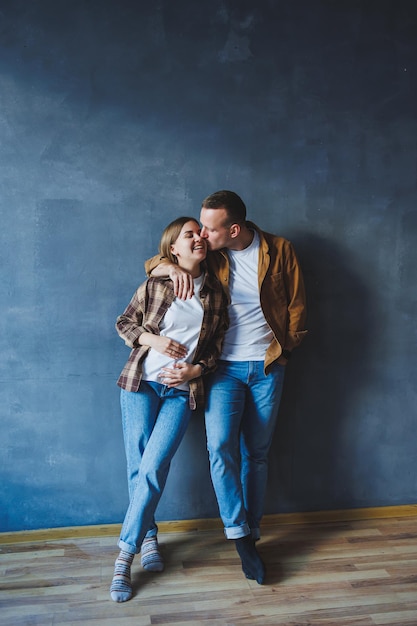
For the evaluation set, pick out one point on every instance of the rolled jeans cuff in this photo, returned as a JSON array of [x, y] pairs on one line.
[[236, 532], [256, 533], [126, 547]]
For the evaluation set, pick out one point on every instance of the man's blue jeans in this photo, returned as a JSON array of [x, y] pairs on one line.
[[241, 414], [154, 419]]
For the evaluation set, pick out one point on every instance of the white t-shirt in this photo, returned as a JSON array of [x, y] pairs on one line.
[[181, 322], [248, 335]]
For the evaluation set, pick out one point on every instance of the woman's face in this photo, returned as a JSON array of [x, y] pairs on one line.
[[189, 248]]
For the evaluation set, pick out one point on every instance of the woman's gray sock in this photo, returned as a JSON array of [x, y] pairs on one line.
[[121, 586], [150, 556]]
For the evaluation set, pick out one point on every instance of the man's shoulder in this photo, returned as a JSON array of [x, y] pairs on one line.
[[271, 239]]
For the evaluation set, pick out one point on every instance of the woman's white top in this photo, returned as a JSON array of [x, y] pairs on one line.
[[181, 322]]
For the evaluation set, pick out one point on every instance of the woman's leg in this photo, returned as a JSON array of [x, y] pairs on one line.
[[169, 428], [138, 419]]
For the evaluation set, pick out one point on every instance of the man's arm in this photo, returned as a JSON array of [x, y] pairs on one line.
[[183, 281], [296, 295]]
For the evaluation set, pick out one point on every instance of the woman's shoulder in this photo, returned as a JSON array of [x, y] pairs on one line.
[[159, 283]]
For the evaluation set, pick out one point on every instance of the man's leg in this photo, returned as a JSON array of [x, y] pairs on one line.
[[226, 399], [224, 410], [258, 425]]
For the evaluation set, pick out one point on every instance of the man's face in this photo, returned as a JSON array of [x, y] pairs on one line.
[[214, 228]]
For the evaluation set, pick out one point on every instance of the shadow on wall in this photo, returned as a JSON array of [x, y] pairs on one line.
[[312, 458]]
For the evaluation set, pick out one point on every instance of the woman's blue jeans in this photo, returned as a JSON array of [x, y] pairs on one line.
[[241, 414], [154, 419]]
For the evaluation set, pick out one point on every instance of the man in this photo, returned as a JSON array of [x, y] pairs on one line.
[[262, 277]]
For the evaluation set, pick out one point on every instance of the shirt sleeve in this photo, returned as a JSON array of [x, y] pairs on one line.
[[129, 323], [153, 262], [296, 299], [215, 324]]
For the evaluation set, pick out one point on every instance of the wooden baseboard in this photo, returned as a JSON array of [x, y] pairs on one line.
[[189, 526]]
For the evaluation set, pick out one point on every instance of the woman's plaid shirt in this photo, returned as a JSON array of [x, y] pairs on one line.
[[144, 314]]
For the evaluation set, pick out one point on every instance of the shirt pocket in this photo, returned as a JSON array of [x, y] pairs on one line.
[[275, 289]]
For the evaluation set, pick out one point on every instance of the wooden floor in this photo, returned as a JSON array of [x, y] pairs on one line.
[[335, 574]]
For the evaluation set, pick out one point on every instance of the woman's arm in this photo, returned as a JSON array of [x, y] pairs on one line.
[[180, 373], [129, 323], [130, 327], [163, 345]]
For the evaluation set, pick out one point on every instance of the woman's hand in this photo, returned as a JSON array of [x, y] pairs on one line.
[[164, 345], [180, 373]]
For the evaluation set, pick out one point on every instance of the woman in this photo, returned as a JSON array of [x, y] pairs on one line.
[[174, 342]]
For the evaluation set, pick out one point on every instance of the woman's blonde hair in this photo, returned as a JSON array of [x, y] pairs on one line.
[[170, 236]]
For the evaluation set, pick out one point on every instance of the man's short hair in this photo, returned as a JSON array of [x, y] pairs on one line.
[[231, 202]]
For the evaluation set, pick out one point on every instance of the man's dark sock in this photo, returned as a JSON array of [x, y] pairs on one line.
[[252, 565]]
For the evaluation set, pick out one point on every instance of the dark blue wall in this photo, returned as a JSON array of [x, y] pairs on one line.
[[116, 117]]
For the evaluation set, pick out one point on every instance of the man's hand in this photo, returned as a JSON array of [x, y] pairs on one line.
[[183, 282], [180, 373]]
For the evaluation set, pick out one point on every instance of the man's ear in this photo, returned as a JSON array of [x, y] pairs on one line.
[[234, 230]]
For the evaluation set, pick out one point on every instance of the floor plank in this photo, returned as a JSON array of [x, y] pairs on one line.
[[356, 573]]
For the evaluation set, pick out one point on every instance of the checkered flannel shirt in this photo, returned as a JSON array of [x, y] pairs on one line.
[[144, 313]]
